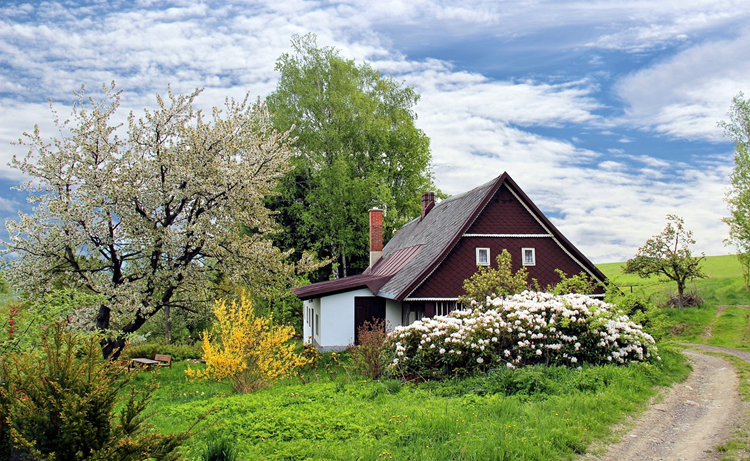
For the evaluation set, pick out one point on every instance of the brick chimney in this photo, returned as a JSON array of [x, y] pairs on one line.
[[428, 201], [376, 235]]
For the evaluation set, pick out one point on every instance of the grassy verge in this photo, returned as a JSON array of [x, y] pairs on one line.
[[533, 413]]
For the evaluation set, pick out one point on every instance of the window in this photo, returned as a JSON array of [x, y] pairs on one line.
[[445, 307], [529, 259], [483, 256], [317, 325]]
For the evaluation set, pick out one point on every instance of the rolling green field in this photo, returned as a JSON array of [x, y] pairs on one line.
[[724, 318], [537, 413]]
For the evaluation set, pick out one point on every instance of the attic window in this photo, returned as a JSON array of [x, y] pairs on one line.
[[529, 258], [483, 256]]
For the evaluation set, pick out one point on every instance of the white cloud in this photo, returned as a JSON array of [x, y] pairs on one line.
[[479, 126], [685, 95]]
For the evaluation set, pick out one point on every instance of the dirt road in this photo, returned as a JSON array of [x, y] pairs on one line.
[[689, 420]]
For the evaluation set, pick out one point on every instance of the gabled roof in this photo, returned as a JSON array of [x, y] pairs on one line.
[[420, 246]]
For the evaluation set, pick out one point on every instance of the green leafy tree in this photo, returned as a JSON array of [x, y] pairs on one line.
[[581, 283], [64, 401], [490, 282], [668, 255], [357, 147], [738, 198], [149, 221]]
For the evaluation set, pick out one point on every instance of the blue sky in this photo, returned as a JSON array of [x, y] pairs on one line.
[[604, 112]]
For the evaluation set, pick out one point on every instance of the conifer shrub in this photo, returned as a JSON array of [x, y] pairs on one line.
[[65, 401], [524, 329]]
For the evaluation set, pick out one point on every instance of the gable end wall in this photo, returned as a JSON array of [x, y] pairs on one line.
[[503, 215]]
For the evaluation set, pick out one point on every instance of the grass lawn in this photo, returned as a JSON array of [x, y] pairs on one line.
[[534, 413]]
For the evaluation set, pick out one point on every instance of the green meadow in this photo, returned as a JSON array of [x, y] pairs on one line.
[[535, 413]]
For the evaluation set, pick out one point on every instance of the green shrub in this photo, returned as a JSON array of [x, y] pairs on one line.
[[177, 351], [221, 449], [59, 404]]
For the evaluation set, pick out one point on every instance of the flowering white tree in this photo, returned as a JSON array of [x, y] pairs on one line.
[[147, 221]]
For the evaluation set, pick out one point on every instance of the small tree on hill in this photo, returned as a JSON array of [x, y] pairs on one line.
[[668, 255]]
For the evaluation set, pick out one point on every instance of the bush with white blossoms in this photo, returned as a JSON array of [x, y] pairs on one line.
[[523, 329]]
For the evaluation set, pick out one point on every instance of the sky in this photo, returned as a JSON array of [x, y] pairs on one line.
[[604, 112]]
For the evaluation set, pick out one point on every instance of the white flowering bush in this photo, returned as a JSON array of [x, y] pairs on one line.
[[523, 329]]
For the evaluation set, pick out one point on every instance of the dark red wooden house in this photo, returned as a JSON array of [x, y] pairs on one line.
[[420, 272]]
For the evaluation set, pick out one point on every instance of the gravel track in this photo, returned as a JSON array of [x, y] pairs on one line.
[[689, 420]]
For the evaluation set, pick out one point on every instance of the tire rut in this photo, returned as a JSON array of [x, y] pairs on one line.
[[690, 420]]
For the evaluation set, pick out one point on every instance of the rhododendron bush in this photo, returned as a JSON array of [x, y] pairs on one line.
[[523, 329]]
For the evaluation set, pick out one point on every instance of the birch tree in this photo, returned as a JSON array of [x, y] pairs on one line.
[[147, 215]]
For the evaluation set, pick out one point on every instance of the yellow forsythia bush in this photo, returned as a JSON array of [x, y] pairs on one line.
[[247, 348]]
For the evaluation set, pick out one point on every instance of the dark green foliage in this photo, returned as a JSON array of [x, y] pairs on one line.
[[221, 449], [59, 403], [4, 288], [358, 148], [177, 351], [285, 307]]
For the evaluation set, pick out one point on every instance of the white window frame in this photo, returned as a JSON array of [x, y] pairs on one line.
[[485, 263], [533, 257]]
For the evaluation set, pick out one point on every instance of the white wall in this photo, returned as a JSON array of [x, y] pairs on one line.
[[307, 318], [392, 313], [337, 319]]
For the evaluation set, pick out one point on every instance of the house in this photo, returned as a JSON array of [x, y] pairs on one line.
[[420, 273]]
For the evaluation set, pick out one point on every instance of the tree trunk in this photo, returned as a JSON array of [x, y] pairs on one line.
[[111, 348], [167, 324], [680, 292]]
